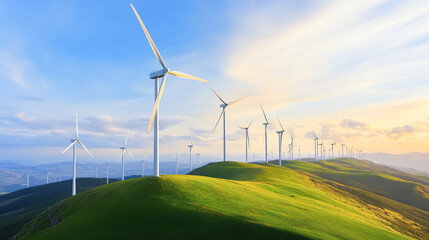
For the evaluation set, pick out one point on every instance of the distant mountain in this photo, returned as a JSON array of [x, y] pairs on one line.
[[13, 175], [418, 161], [231, 200]]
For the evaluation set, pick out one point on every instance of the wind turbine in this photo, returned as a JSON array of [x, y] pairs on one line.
[[223, 106], [332, 146], [190, 154], [177, 162], [266, 139], [124, 149], [291, 145], [342, 150], [28, 179], [316, 148], [280, 133], [143, 165], [74, 141], [96, 170], [158, 92], [47, 176], [247, 136]]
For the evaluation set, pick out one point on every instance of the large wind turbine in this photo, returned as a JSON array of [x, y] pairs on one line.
[[74, 141], [223, 106], [190, 154], [316, 146], [280, 133], [266, 140], [123, 150], [158, 92], [247, 136]]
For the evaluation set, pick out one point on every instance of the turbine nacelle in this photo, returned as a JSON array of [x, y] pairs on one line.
[[281, 131], [72, 140], [122, 148], [224, 105]]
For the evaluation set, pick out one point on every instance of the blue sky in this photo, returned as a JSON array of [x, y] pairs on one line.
[[325, 66]]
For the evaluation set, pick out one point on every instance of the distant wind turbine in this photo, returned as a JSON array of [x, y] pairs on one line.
[[123, 150], [316, 146], [28, 179], [266, 139], [177, 162], [158, 92], [190, 154], [291, 144], [342, 150], [143, 165], [223, 106], [198, 159], [96, 170], [280, 133], [332, 146], [47, 176], [247, 136], [74, 141]]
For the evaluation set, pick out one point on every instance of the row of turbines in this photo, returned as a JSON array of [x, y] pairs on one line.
[[154, 121]]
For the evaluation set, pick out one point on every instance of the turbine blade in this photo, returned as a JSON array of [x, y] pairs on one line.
[[70, 146], [280, 122], [190, 138], [184, 75], [236, 101], [77, 128], [122, 153], [223, 110], [126, 140], [251, 122], [152, 44], [145, 157], [216, 94], [241, 127], [85, 148], [155, 107], [265, 116], [314, 134], [126, 149]]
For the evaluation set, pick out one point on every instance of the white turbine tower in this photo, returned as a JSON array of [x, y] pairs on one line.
[[332, 146], [223, 106], [74, 141], [190, 154], [123, 150], [47, 176], [96, 170], [280, 133], [266, 139], [247, 136], [158, 92], [198, 159], [316, 146]]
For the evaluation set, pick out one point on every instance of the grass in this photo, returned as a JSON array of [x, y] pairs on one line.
[[19, 207], [382, 180], [225, 200]]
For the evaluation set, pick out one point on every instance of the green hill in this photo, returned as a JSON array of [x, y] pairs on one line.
[[19, 207], [227, 200], [382, 180]]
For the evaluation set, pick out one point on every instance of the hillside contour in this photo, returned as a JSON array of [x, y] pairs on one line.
[[226, 200]]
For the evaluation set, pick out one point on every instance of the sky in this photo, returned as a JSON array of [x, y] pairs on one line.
[[352, 72]]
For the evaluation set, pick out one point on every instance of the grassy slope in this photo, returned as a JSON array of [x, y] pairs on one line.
[[19, 207], [228, 200], [400, 186]]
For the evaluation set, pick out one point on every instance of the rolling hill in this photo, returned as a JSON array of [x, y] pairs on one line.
[[410, 189], [19, 207], [229, 200]]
